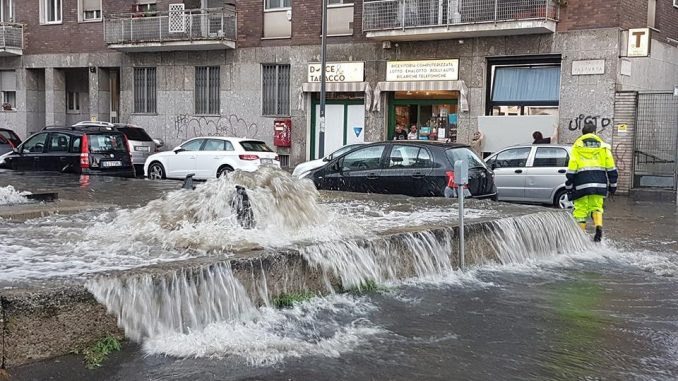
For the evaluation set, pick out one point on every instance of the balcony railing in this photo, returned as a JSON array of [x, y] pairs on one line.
[[382, 15], [174, 26], [12, 39]]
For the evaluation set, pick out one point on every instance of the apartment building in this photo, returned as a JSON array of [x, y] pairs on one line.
[[450, 67]]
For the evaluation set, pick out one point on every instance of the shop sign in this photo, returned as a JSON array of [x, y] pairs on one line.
[[337, 72], [588, 67], [639, 42], [430, 70]]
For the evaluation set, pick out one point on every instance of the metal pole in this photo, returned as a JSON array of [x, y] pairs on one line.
[[462, 259], [323, 63]]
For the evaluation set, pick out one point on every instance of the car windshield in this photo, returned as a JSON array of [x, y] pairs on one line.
[[463, 153], [255, 146], [135, 133], [341, 151], [106, 143]]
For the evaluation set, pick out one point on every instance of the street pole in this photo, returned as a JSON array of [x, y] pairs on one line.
[[461, 179], [323, 63]]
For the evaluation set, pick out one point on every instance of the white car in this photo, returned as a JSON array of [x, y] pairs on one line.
[[303, 169], [210, 157]]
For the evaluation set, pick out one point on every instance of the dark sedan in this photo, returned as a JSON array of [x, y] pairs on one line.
[[413, 168]]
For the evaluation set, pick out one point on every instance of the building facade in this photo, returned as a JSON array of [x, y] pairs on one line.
[[451, 67]]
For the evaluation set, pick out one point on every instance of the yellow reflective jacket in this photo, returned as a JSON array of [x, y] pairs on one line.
[[591, 169]]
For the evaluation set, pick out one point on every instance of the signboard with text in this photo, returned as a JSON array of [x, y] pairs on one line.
[[639, 42], [338, 72], [588, 67], [429, 70]]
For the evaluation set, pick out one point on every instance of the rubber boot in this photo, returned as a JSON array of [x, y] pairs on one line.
[[582, 225], [598, 221]]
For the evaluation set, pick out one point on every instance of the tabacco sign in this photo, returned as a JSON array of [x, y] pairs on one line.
[[639, 42], [430, 70], [338, 72]]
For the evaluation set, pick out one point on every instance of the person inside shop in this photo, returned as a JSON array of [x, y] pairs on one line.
[[539, 138], [413, 135], [400, 134]]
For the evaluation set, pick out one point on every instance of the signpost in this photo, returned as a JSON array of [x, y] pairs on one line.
[[323, 79], [461, 180]]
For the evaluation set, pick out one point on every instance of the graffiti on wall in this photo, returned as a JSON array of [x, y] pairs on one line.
[[188, 126], [579, 122], [622, 157]]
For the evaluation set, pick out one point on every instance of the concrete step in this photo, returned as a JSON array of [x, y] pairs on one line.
[[653, 194]]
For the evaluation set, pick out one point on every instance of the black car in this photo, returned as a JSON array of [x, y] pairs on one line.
[[8, 140], [413, 168], [74, 150]]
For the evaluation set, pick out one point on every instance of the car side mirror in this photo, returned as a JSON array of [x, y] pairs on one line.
[[178, 149], [159, 143], [327, 158]]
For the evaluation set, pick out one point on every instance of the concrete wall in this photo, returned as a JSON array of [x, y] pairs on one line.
[[659, 71]]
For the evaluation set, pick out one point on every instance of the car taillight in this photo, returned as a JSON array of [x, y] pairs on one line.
[[84, 152], [129, 149], [249, 157]]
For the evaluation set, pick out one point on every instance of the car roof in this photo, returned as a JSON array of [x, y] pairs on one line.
[[79, 129], [431, 143], [567, 146], [226, 138]]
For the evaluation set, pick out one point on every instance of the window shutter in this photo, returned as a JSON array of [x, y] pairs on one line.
[[8, 80], [91, 5]]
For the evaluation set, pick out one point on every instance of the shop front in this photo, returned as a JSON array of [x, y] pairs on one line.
[[348, 98], [424, 98]]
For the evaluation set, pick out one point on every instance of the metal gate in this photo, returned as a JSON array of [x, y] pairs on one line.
[[656, 141]]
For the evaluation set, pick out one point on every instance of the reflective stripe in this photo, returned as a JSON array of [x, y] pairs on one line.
[[590, 169], [568, 186], [590, 185], [613, 185], [612, 169]]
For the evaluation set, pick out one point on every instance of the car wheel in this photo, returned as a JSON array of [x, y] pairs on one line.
[[156, 171], [561, 201], [223, 170]]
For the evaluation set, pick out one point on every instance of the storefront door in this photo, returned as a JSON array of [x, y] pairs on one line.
[[344, 124]]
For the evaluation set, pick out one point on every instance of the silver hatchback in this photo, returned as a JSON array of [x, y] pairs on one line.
[[532, 174]]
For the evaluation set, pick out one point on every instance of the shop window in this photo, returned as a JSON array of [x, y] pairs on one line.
[[551, 157], [207, 89], [277, 4], [524, 90], [50, 11], [275, 90], [90, 10], [72, 101], [145, 90], [511, 158]]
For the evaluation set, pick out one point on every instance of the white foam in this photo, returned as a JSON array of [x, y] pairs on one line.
[[10, 196]]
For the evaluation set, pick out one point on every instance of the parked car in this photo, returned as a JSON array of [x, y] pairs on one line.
[[5, 145], [210, 157], [531, 174], [75, 150], [141, 146], [304, 169], [10, 136], [413, 168]]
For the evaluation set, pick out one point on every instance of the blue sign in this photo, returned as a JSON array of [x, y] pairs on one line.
[[357, 131]]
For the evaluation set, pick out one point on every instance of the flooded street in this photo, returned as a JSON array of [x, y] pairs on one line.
[[553, 307]]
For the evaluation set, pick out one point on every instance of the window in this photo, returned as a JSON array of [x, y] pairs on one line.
[[193, 145], [75, 148], [9, 100], [409, 157], [339, 2], [8, 88], [277, 4], [524, 88], [35, 144], [217, 145], [135, 133], [675, 3], [363, 159], [651, 13], [7, 10], [465, 154], [90, 10], [551, 157], [50, 11], [59, 142], [145, 100], [255, 146], [72, 101], [511, 158], [275, 90], [207, 90], [150, 7]]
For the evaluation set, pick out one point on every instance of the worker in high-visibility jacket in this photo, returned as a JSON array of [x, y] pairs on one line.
[[591, 174]]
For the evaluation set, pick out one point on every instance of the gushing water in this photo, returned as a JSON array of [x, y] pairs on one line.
[[10, 196]]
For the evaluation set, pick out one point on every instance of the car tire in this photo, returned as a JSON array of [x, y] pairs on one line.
[[560, 201], [223, 169], [156, 171]]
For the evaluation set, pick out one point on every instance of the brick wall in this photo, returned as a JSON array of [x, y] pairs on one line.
[[666, 22], [587, 14]]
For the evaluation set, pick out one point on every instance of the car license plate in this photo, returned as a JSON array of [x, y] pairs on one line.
[[266, 161], [142, 148], [111, 163]]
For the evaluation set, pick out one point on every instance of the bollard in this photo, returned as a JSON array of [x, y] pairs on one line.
[[461, 179]]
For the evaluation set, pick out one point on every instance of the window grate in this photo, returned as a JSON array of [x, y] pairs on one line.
[[145, 99], [284, 160], [276, 90], [207, 90]]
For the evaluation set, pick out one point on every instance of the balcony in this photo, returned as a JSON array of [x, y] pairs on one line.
[[12, 40], [195, 29], [417, 20]]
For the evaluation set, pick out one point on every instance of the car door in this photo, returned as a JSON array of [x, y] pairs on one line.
[[57, 155], [547, 174], [510, 166], [405, 170], [184, 159], [30, 153], [360, 170], [211, 156]]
